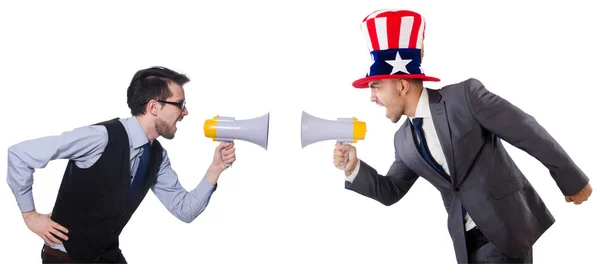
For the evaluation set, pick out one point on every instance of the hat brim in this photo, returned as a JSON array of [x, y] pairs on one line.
[[364, 82]]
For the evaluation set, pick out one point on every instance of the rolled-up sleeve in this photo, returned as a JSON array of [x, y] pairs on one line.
[[184, 205]]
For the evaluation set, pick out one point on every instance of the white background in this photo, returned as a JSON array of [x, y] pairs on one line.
[[65, 64]]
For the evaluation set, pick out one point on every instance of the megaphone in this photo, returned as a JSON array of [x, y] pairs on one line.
[[227, 129], [343, 130]]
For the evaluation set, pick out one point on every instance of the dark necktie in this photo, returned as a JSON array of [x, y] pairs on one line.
[[424, 149], [141, 171]]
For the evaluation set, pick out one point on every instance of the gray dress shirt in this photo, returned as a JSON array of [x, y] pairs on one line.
[[85, 145]]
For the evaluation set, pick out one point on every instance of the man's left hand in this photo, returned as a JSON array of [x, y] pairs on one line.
[[580, 196], [224, 153]]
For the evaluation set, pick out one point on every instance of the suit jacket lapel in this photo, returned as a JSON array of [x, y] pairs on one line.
[[440, 121], [413, 156]]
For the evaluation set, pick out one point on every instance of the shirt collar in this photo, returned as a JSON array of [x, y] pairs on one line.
[[422, 109], [137, 136]]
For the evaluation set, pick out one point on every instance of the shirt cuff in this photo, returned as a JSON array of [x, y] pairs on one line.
[[206, 187], [352, 175], [25, 202]]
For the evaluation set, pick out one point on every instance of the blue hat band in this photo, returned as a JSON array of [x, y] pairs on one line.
[[395, 62]]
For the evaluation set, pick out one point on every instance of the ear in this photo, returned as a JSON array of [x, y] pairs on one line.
[[403, 86], [152, 107]]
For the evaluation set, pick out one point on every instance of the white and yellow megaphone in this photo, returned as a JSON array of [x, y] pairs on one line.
[[343, 130], [227, 129]]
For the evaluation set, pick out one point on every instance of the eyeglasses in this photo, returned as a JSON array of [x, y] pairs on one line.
[[181, 104]]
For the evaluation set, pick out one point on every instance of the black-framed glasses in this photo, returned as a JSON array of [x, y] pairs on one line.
[[181, 104]]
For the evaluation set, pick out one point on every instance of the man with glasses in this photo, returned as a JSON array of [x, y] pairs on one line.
[[111, 167]]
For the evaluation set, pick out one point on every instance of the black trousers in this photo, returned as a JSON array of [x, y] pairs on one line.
[[50, 255], [480, 250]]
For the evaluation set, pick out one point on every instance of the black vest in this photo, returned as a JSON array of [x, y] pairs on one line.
[[92, 203]]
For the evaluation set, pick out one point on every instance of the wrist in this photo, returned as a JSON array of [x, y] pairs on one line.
[[350, 168], [213, 173], [27, 215], [214, 168]]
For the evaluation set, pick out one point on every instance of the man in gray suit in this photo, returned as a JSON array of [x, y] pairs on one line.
[[452, 138]]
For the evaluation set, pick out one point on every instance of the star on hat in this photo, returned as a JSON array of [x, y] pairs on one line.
[[399, 64]]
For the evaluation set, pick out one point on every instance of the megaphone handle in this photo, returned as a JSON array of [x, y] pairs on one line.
[[347, 157], [223, 157]]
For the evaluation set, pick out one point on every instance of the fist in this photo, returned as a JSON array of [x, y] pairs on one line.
[[345, 153], [580, 196], [224, 153]]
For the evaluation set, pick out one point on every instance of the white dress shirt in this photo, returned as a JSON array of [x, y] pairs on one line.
[[433, 142]]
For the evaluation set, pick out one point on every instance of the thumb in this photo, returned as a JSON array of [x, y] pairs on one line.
[[222, 145], [349, 148], [568, 199]]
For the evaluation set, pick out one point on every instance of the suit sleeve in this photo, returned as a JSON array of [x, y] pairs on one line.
[[521, 130], [387, 189]]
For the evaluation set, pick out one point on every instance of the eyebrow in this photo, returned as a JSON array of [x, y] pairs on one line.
[[372, 85]]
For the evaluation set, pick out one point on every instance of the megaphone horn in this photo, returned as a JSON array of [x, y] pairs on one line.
[[227, 129], [343, 130]]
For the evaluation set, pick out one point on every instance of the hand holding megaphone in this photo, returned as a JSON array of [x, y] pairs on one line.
[[344, 155], [227, 129], [343, 130], [224, 155]]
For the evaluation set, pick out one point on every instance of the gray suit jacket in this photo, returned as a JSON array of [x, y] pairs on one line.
[[470, 121]]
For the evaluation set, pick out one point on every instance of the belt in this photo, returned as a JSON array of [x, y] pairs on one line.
[[56, 254]]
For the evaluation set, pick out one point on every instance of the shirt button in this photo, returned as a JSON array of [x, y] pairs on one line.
[[456, 189]]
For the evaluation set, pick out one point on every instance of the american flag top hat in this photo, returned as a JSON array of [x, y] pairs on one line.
[[395, 41]]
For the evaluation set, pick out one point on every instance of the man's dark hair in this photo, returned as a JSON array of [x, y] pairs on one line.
[[151, 83]]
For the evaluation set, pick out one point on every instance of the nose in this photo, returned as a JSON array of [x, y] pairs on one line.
[[373, 96], [185, 111]]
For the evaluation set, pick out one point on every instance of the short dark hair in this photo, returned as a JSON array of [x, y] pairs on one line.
[[151, 83], [417, 82]]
